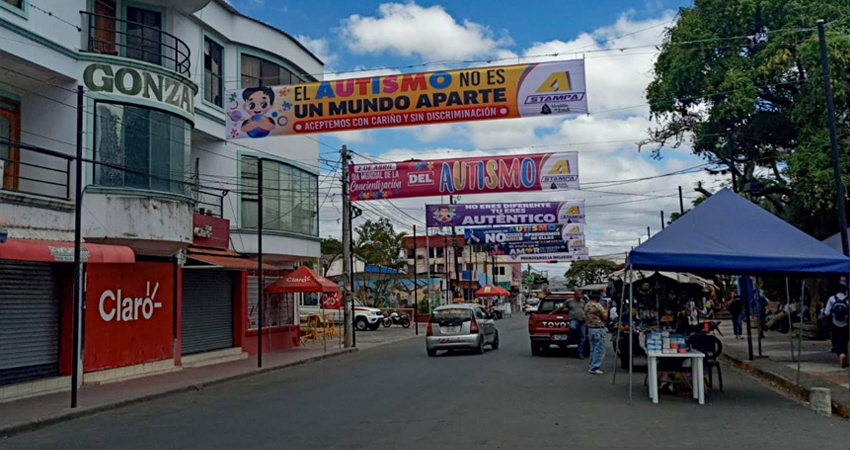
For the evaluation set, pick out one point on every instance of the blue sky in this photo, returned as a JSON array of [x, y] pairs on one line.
[[374, 34]]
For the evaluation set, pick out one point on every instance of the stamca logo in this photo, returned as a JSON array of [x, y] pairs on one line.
[[561, 167], [114, 306]]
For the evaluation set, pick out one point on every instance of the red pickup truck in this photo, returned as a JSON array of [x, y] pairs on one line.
[[546, 329]]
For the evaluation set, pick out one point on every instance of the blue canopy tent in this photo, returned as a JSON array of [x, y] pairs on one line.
[[729, 234]]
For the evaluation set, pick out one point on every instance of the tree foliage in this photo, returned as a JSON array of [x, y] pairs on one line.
[[331, 251], [378, 243], [591, 271], [752, 67]]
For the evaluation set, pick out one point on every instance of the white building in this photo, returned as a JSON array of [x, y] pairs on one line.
[[154, 74]]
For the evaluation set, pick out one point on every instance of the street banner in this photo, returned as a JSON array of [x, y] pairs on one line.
[[557, 246], [484, 93], [531, 213], [542, 257], [463, 176], [525, 234]]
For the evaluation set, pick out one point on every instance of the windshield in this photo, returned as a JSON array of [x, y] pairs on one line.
[[451, 315], [357, 302]]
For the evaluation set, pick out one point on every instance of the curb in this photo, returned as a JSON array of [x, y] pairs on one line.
[[33, 425], [785, 383]]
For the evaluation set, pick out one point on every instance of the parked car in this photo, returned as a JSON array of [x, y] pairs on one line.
[[365, 317], [531, 306], [461, 326]]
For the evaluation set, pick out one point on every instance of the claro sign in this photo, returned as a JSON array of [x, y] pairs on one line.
[[129, 314]]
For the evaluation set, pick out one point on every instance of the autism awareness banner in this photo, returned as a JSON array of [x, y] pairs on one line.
[[472, 214], [460, 176], [525, 234], [486, 93]]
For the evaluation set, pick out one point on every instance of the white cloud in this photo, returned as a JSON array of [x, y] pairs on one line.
[[429, 32], [319, 47], [354, 136]]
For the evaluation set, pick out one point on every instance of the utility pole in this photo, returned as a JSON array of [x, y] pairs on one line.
[[454, 250], [662, 220], [446, 271], [415, 283], [348, 299], [732, 167], [681, 203], [78, 265], [428, 295], [261, 289], [648, 236], [833, 140]]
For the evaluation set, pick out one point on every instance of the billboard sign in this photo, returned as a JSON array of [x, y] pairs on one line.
[[528, 213], [463, 176], [485, 93], [525, 234]]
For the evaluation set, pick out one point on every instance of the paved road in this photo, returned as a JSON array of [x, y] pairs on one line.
[[395, 397]]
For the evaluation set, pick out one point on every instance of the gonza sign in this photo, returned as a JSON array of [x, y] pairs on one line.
[[114, 306], [141, 84]]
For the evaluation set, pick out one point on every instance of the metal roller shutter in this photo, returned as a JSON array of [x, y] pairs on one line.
[[207, 320], [29, 322]]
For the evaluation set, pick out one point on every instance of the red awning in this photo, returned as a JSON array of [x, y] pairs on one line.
[[62, 251], [303, 279], [491, 291], [212, 258]]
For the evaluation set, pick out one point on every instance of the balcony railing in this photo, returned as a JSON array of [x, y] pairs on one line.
[[34, 170], [113, 36], [208, 201]]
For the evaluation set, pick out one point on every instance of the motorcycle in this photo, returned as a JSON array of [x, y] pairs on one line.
[[395, 318]]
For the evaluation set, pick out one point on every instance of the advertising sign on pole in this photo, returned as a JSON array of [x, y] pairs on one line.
[[524, 234], [473, 214], [463, 176], [485, 93]]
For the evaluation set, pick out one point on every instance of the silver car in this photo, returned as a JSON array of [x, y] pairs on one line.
[[461, 326]]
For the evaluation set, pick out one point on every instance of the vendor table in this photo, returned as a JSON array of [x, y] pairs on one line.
[[698, 383]]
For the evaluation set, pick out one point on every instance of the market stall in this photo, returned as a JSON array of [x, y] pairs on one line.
[[728, 234]]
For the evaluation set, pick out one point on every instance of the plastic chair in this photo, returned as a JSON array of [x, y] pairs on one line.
[[712, 347]]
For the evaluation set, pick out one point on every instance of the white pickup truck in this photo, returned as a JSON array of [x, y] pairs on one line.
[[365, 317]]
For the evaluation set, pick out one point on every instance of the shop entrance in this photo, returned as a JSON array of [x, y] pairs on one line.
[[29, 322], [207, 321]]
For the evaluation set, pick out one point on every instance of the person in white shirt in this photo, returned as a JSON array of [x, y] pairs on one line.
[[838, 309]]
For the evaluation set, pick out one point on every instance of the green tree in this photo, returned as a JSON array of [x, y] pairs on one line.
[[378, 243], [591, 271], [752, 67], [331, 251]]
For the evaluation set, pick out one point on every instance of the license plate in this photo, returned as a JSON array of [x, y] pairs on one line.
[[451, 329], [559, 337]]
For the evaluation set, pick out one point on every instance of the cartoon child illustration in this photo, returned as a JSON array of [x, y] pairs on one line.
[[444, 214], [258, 102]]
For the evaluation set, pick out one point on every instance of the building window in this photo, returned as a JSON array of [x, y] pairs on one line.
[[290, 197], [499, 270], [411, 253], [144, 34], [10, 130], [260, 72], [16, 3], [278, 309], [146, 148], [212, 72]]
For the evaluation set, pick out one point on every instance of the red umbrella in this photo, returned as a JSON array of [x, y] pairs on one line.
[[490, 291], [303, 279]]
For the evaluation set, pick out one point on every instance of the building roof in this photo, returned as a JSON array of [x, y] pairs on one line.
[[226, 5]]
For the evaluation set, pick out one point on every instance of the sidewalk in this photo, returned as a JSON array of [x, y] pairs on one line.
[[31, 413], [818, 366]]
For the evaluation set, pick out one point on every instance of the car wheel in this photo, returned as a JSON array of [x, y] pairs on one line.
[[495, 344], [375, 326], [480, 349], [535, 349], [431, 352], [360, 324]]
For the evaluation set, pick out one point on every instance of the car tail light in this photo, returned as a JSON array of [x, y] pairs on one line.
[[530, 322], [473, 327], [430, 331]]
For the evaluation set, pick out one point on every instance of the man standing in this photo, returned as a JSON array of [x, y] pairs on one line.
[[837, 309], [595, 316], [575, 308]]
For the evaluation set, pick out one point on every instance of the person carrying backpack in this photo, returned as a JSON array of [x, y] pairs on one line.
[[838, 309]]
